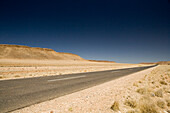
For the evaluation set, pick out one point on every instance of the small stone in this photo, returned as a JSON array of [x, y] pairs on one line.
[[152, 95], [168, 111]]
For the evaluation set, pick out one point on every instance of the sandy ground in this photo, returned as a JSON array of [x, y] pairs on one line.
[[33, 68], [99, 99]]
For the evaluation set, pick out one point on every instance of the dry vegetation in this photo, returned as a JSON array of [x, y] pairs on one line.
[[149, 95]]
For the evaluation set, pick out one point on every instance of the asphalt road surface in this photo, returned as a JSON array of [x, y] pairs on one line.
[[19, 93]]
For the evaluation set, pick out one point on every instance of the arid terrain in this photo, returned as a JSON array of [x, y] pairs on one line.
[[60, 68], [22, 61], [147, 91]]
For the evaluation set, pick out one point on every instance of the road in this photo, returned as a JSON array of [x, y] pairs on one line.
[[19, 93]]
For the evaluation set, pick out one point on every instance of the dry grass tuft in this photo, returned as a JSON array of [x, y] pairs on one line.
[[163, 78], [131, 103], [145, 76], [168, 102], [161, 103], [140, 81], [1, 77], [115, 106], [157, 86], [163, 82], [141, 90], [70, 109], [146, 105], [159, 93], [153, 82], [135, 84]]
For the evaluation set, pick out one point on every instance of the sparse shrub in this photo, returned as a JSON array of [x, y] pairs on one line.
[[167, 91], [161, 103], [146, 105], [140, 82], [163, 82], [163, 78], [17, 76], [131, 103], [70, 109], [153, 82], [1, 77], [168, 102], [157, 86], [135, 84], [159, 93], [141, 90], [115, 106]]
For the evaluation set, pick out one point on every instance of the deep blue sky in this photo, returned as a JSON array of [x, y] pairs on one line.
[[129, 31]]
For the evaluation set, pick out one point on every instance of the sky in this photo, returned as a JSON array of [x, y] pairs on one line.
[[125, 31]]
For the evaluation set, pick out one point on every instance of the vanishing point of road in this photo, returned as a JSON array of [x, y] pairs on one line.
[[19, 93]]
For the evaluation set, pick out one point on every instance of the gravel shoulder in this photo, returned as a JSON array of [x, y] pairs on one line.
[[96, 99]]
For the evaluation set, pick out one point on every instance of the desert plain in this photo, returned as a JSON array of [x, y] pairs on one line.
[[12, 68], [146, 91], [22, 61]]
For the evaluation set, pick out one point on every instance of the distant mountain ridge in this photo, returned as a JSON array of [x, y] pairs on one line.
[[158, 63], [25, 52], [102, 61], [147, 63]]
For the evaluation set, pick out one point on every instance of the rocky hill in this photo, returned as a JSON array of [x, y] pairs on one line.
[[26, 52], [163, 63], [147, 63], [158, 63]]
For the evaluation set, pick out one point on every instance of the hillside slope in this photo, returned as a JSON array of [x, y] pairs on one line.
[[25, 52], [163, 63]]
